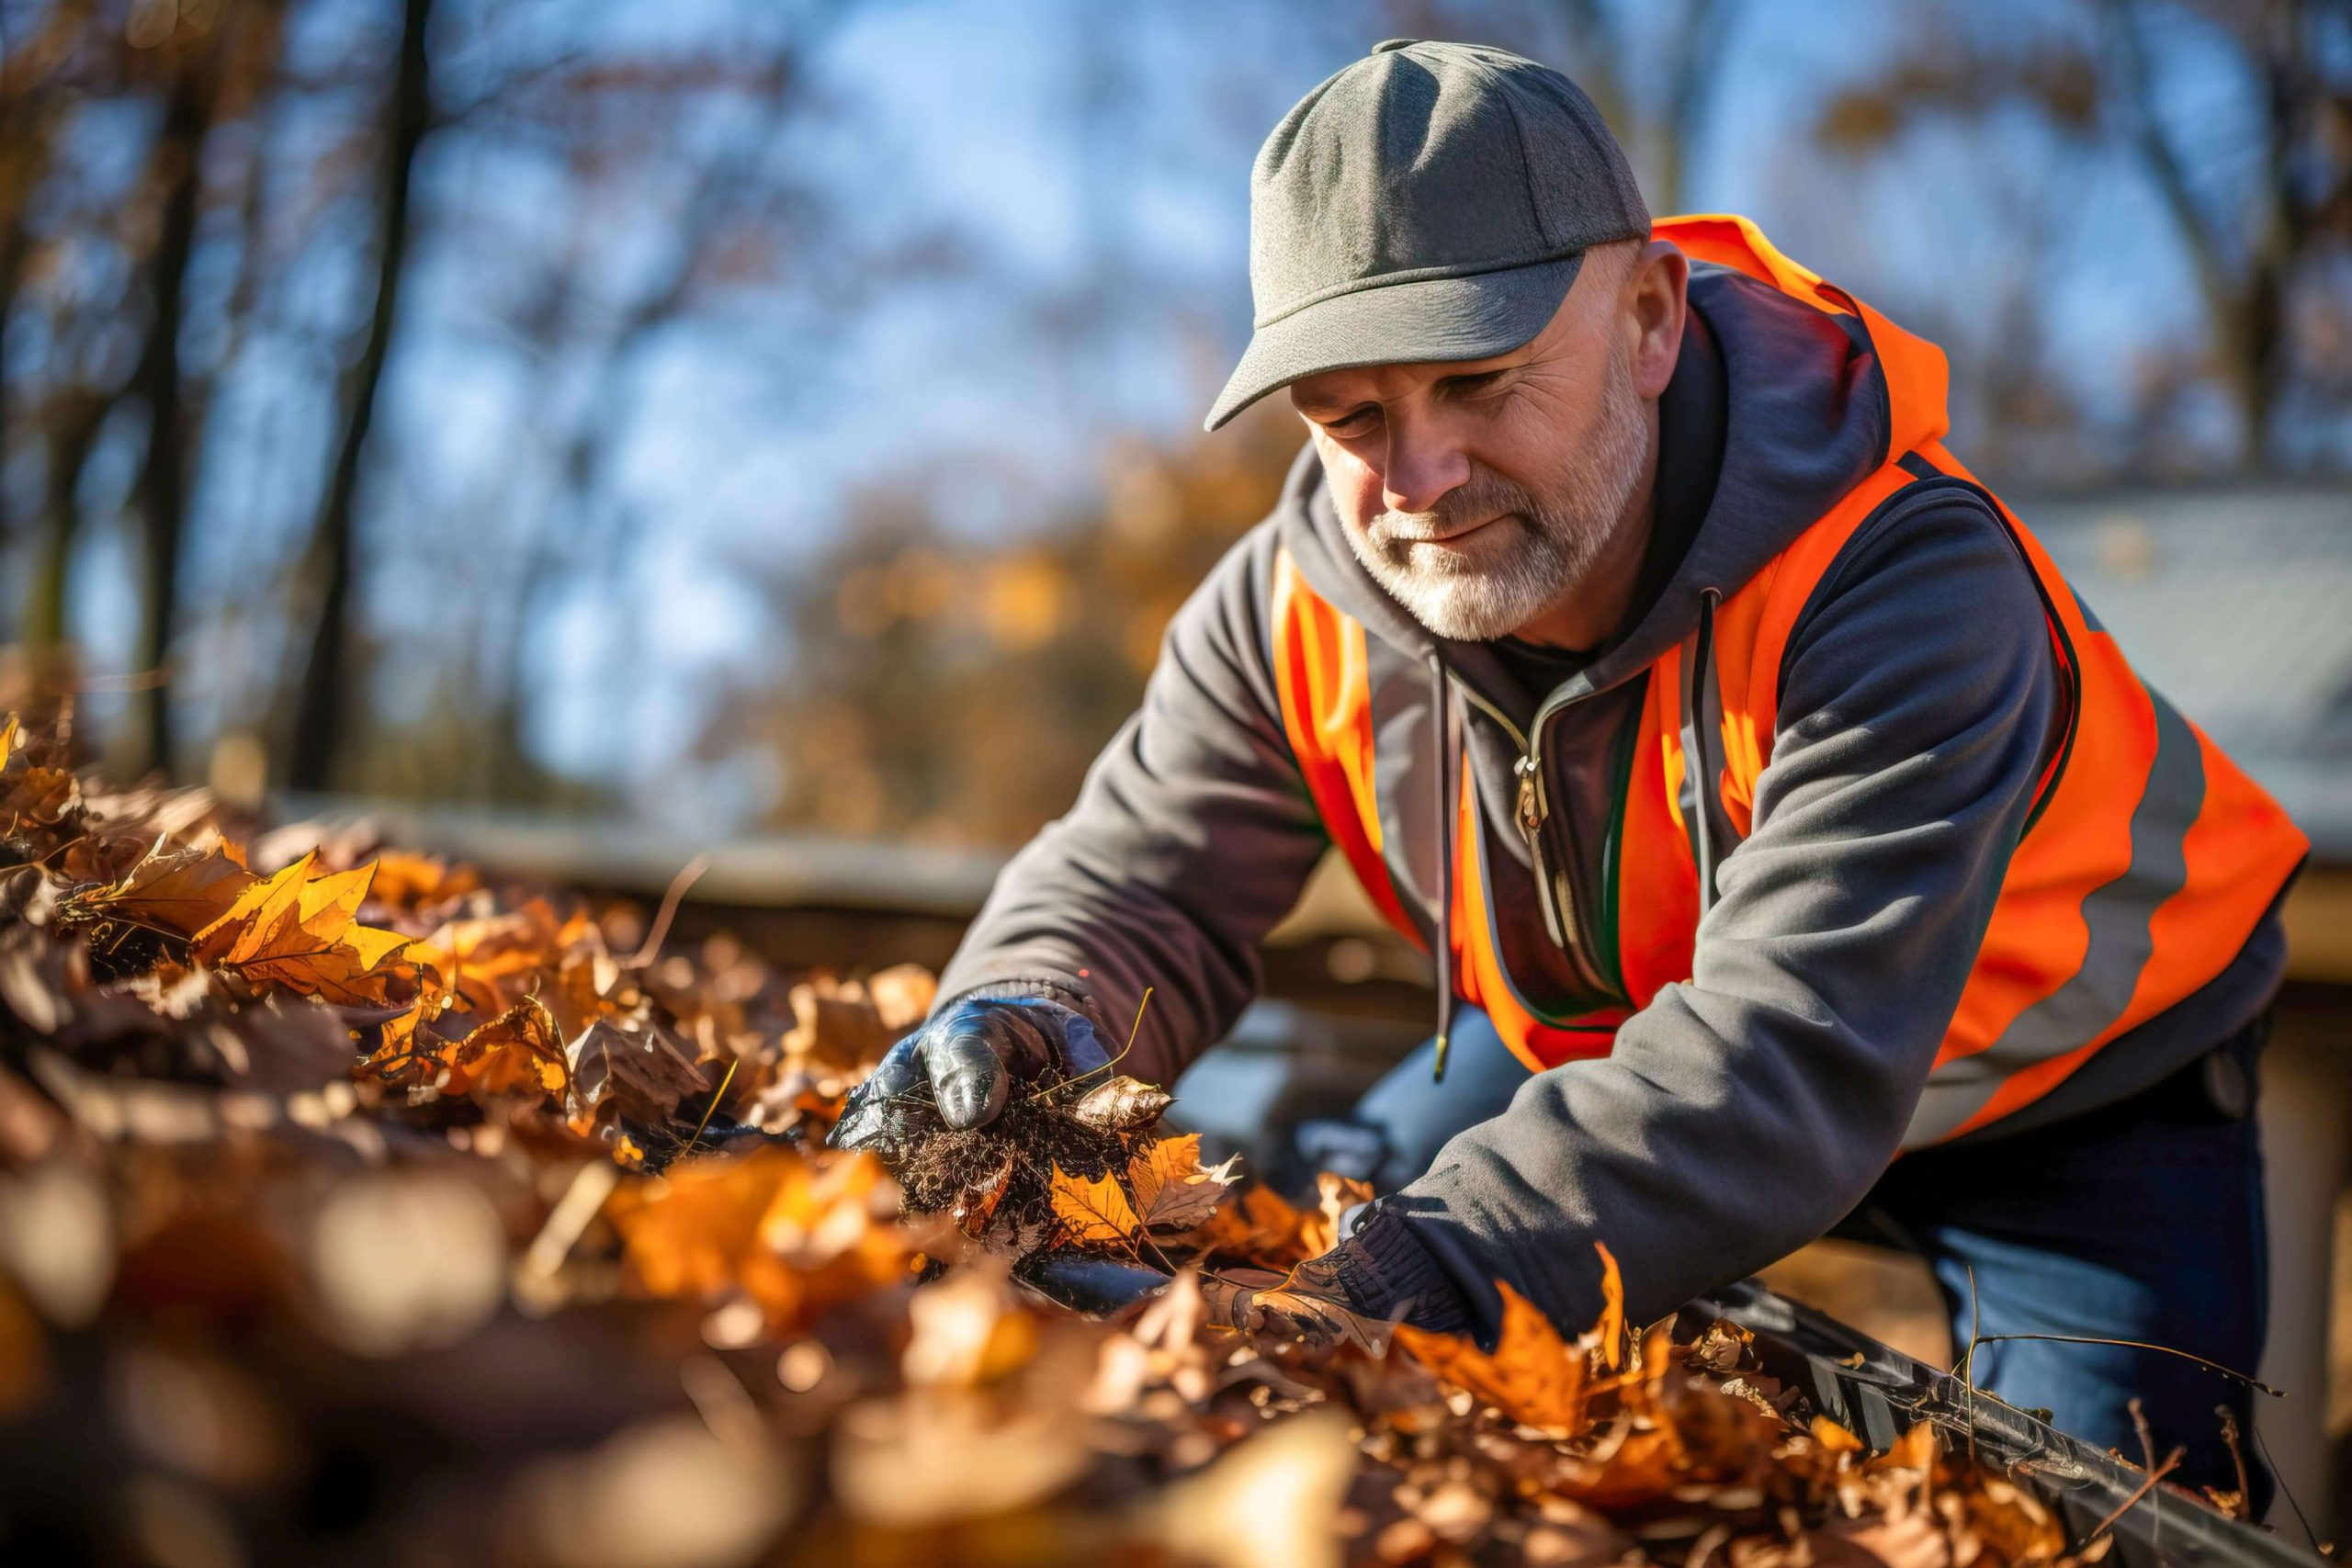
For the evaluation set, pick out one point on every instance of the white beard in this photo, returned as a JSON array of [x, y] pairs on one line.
[[1534, 554]]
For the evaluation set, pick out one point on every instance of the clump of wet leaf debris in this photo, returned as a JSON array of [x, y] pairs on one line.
[[1074, 1163], [353, 1203]]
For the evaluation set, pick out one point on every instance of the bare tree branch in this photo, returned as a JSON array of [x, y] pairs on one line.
[[322, 696]]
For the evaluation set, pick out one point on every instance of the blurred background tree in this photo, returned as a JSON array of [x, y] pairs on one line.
[[758, 412]]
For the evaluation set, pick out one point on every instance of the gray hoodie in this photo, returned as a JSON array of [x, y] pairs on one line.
[[1743, 1112]]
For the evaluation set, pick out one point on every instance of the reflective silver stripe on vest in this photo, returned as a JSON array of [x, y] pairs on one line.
[[2118, 915]]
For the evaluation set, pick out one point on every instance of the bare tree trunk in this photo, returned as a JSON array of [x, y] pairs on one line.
[[12, 251], [162, 475], [1691, 84], [73, 418], [29, 115], [320, 698]]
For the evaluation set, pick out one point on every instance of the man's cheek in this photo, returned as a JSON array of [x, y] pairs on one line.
[[1354, 483]]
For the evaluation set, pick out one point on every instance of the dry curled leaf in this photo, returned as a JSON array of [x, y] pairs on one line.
[[977, 1204], [1335, 1195], [792, 1235], [639, 1070], [1260, 1225], [42, 796], [516, 1052], [1120, 1105]]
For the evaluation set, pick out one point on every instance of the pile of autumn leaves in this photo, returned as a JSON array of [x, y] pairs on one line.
[[321, 1125]]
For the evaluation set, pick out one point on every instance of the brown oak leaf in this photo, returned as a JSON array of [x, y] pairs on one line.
[[637, 1069], [1173, 1191]]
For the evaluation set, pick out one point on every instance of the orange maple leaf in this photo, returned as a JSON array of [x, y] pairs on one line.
[[1532, 1375], [1095, 1210], [689, 1234], [298, 931], [1262, 1227], [795, 1235], [492, 961]]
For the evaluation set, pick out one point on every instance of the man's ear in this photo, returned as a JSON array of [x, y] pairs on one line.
[[1657, 292]]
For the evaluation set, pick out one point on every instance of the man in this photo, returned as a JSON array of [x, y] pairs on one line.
[[1756, 783]]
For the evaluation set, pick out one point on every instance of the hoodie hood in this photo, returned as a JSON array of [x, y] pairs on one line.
[[1806, 418]]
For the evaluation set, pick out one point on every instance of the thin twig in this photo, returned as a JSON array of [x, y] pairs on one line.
[[2171, 1461], [2253, 1430], [1975, 1337], [2135, 1345], [2245, 1510], [659, 933], [2147, 1437], [2148, 1459]]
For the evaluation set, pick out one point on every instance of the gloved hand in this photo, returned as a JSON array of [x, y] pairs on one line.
[[969, 1054], [1310, 1304]]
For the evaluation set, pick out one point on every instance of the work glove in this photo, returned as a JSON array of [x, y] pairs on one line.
[[1377, 1275], [1310, 1304], [964, 1061]]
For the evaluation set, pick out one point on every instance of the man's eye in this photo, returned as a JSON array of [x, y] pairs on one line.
[[1357, 422]]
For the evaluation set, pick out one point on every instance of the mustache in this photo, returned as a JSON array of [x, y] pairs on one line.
[[1478, 500]]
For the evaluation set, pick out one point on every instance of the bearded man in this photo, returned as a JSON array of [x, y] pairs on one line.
[[1793, 847]]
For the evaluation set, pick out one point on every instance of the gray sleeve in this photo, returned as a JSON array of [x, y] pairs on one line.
[[1193, 836], [1742, 1113]]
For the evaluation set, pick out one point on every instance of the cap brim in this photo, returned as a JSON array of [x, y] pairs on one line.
[[1435, 318]]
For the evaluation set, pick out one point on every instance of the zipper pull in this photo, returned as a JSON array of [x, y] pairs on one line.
[[1559, 923]]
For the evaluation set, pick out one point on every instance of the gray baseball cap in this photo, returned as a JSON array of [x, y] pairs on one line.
[[1433, 201]]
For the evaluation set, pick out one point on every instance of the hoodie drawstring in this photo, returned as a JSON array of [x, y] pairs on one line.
[[1705, 794], [1442, 705]]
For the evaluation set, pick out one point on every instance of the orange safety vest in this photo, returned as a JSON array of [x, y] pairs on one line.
[[2147, 860]]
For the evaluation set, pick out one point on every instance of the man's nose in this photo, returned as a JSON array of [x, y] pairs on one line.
[[1419, 470]]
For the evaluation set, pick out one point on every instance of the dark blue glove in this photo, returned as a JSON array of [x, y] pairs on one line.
[[967, 1057]]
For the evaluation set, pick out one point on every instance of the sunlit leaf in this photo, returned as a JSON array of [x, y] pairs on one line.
[[182, 891], [1094, 1210], [1610, 1328], [1174, 1192], [294, 930], [1532, 1375], [1120, 1105]]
